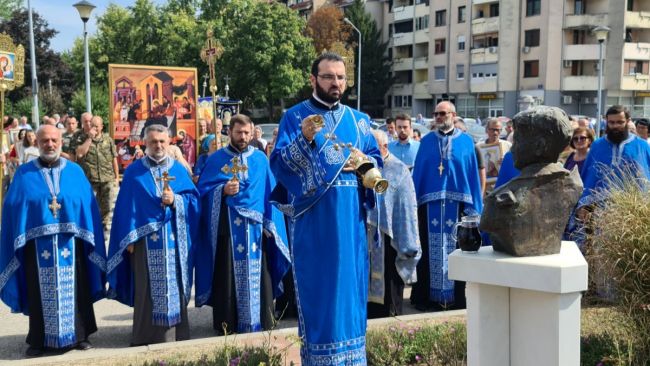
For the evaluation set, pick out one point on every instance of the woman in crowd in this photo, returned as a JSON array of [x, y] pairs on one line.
[[580, 142]]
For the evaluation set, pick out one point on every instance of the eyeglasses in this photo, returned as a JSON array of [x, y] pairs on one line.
[[579, 138], [441, 113], [330, 77], [494, 129]]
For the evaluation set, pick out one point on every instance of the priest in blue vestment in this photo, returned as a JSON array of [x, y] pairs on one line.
[[242, 254], [150, 252], [319, 190], [393, 238], [52, 253], [447, 185], [610, 157]]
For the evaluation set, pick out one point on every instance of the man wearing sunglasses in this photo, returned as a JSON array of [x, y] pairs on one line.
[[326, 205], [447, 185]]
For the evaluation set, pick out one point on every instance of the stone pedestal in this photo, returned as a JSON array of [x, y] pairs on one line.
[[522, 310]]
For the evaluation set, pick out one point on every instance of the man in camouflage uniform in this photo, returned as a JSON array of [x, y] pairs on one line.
[[70, 130], [95, 152]]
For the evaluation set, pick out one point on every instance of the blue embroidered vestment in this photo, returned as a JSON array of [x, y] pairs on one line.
[[27, 216], [250, 217], [327, 231]]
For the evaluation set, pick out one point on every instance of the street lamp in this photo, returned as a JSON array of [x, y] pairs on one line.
[[85, 8], [601, 35], [32, 57], [359, 67]]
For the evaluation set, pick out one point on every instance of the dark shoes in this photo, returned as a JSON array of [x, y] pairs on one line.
[[84, 345], [34, 352]]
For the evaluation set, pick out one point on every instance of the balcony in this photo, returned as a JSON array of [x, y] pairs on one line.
[[304, 5], [635, 82], [402, 39], [403, 64], [403, 13], [483, 85], [421, 91], [480, 2], [485, 55], [485, 25], [421, 63], [584, 20], [637, 19], [582, 52], [580, 83], [636, 51], [422, 36]]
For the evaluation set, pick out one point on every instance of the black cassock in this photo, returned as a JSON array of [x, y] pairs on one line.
[[393, 286]]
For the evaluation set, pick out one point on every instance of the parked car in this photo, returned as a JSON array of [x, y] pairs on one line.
[[475, 130]]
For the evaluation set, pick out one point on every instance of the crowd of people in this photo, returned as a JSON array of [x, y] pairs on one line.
[[254, 221]]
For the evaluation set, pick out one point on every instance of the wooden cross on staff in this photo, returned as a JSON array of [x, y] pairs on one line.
[[210, 53], [234, 169], [54, 206]]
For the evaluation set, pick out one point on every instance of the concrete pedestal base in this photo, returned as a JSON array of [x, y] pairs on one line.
[[522, 310]]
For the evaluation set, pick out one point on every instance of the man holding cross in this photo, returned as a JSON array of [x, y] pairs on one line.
[[52, 253], [242, 254], [150, 252]]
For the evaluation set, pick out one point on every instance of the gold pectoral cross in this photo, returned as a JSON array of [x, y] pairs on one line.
[[234, 169], [441, 168], [54, 206]]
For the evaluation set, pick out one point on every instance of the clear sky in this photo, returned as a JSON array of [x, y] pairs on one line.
[[63, 17]]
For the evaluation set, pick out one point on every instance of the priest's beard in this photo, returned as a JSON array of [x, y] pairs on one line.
[[332, 96], [50, 155], [446, 125], [617, 136]]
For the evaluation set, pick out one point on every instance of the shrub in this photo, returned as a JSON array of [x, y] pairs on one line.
[[621, 244]]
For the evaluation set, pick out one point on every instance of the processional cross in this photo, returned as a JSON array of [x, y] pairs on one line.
[[54, 206], [235, 169], [210, 53]]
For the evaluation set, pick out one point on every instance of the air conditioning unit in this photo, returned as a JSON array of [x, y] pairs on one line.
[[568, 63], [567, 99], [525, 49], [493, 50]]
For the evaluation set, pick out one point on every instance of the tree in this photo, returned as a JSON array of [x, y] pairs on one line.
[[326, 27], [49, 65], [376, 77], [266, 53], [7, 7]]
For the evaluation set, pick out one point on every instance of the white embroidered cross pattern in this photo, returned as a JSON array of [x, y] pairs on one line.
[[65, 253], [154, 237], [46, 254], [238, 221], [240, 248]]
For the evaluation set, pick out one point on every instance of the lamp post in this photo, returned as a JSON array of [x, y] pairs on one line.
[[601, 35], [359, 67], [85, 8], [32, 61]]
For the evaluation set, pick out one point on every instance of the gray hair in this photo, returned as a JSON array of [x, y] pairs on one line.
[[491, 121], [381, 137], [156, 128]]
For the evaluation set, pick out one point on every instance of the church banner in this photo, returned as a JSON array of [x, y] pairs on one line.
[[144, 95]]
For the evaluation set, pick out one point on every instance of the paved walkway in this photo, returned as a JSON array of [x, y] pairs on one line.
[[114, 321]]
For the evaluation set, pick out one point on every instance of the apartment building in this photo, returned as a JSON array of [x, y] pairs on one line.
[[497, 57]]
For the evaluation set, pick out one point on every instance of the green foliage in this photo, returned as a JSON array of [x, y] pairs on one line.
[[23, 107], [7, 7], [50, 63], [621, 246], [99, 99], [376, 77], [407, 344]]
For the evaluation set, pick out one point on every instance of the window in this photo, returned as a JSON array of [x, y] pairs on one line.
[[494, 10], [441, 46], [461, 43], [439, 73], [577, 68], [579, 7], [634, 67], [462, 14], [422, 22], [532, 38], [533, 7], [630, 5], [460, 72], [579, 36], [531, 69], [441, 18], [402, 101]]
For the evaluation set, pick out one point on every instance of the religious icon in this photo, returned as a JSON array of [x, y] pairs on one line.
[[7, 65], [492, 157]]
